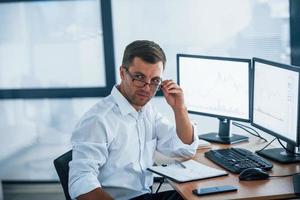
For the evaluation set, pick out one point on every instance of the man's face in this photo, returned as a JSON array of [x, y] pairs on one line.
[[138, 95]]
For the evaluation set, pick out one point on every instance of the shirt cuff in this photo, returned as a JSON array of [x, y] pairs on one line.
[[188, 150], [82, 185], [195, 143]]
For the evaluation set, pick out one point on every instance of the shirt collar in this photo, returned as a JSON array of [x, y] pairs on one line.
[[123, 104]]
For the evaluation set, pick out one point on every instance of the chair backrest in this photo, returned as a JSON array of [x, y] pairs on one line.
[[62, 168]]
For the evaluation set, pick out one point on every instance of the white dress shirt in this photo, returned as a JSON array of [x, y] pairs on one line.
[[113, 145]]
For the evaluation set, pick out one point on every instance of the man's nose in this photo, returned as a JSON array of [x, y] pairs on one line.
[[147, 86]]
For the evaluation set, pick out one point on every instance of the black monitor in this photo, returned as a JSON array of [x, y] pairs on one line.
[[276, 106], [216, 87]]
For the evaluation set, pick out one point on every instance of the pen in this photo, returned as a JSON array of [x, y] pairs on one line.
[[180, 163]]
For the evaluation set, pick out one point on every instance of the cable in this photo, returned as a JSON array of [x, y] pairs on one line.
[[266, 145], [285, 175], [241, 126], [236, 123], [244, 128], [297, 154]]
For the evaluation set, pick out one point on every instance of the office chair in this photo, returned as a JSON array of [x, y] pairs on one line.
[[62, 168]]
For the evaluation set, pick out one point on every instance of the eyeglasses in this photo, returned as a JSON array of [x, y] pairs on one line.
[[138, 81]]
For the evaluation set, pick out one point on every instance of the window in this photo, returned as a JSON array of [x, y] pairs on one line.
[[56, 49], [229, 28], [34, 132], [56, 60]]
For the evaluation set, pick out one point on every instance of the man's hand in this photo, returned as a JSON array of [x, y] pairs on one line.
[[173, 94]]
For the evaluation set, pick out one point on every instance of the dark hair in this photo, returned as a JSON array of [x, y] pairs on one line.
[[148, 51]]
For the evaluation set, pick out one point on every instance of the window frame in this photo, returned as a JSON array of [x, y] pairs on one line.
[[295, 32], [78, 92]]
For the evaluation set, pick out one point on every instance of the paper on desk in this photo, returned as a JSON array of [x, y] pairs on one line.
[[193, 171]]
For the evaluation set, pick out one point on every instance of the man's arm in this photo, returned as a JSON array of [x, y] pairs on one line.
[[174, 96], [95, 194], [184, 127]]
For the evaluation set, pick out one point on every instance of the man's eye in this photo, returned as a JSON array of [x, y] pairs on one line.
[[155, 81], [138, 76]]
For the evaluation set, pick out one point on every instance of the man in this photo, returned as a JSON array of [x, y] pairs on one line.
[[115, 141]]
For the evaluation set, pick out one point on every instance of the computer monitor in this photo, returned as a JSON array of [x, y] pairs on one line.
[[217, 87], [276, 106]]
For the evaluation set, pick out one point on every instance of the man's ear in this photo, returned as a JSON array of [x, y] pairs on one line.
[[122, 72]]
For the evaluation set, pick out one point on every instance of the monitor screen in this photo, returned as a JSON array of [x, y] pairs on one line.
[[276, 100], [215, 86]]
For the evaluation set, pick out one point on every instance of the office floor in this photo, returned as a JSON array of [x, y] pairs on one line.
[[29, 191], [47, 191]]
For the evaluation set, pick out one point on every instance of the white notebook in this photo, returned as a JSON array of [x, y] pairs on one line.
[[203, 144], [193, 171]]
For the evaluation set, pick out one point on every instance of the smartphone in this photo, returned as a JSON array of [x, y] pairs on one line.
[[214, 190]]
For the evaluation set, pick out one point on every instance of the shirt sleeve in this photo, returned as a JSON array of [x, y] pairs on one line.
[[89, 142], [169, 143]]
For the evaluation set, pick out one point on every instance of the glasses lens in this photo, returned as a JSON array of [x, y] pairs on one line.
[[138, 83], [154, 86]]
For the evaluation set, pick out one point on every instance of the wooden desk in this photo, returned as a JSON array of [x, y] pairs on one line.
[[272, 188]]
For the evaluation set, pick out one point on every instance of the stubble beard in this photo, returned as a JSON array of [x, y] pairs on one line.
[[136, 100]]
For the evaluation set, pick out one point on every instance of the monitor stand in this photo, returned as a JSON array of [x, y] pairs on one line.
[[280, 154], [223, 136]]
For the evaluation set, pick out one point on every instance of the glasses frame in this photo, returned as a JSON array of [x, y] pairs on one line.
[[152, 86]]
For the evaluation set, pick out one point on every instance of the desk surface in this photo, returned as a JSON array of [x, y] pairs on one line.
[[272, 188]]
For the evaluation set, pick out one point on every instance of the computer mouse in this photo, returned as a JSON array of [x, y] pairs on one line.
[[253, 174]]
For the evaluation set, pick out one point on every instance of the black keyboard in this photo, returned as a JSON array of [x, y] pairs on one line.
[[237, 159]]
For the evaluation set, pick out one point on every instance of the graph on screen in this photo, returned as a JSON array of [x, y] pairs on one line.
[[276, 99], [217, 87]]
